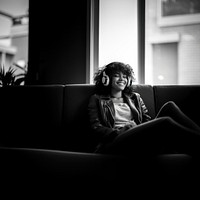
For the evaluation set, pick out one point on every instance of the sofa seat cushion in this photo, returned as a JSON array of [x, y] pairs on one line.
[[40, 171]]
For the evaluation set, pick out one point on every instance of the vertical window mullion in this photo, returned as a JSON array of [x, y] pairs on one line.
[[93, 40], [141, 41]]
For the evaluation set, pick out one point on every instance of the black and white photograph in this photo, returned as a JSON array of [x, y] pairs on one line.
[[100, 99]]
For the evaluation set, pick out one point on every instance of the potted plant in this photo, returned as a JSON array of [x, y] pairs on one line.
[[8, 78]]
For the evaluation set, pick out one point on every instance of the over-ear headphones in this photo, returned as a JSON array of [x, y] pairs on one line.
[[130, 82], [105, 79]]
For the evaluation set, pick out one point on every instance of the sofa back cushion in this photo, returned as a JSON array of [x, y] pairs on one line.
[[31, 115], [185, 96], [76, 134], [76, 131]]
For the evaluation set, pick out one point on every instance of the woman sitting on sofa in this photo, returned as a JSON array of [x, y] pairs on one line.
[[120, 118]]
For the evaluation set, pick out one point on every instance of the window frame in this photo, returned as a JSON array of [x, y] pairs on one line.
[[93, 40], [173, 20]]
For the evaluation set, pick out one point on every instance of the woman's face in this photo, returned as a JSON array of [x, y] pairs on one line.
[[119, 81]]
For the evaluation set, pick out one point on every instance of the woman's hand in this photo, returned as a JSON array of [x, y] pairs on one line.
[[125, 128]]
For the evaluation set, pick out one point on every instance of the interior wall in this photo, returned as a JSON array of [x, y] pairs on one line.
[[57, 42]]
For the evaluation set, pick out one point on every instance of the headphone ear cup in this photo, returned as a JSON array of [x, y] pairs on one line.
[[129, 82], [105, 79]]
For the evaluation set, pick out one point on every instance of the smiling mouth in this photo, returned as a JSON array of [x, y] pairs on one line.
[[121, 83]]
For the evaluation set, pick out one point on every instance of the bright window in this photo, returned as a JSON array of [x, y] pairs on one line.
[[172, 42], [118, 32]]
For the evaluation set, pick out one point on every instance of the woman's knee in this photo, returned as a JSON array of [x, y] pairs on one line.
[[160, 123], [164, 120], [170, 105], [168, 108]]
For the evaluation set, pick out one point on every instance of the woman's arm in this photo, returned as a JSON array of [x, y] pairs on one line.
[[143, 109], [95, 119]]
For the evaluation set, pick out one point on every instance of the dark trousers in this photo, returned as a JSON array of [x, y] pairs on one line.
[[170, 132]]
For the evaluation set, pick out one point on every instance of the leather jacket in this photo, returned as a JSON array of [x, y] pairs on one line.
[[101, 114]]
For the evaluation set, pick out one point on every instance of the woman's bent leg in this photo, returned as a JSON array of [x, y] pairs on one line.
[[170, 109], [161, 135]]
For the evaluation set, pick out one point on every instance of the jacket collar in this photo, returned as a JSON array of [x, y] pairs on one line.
[[107, 97], [128, 100]]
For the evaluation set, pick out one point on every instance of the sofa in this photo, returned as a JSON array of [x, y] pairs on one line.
[[45, 135]]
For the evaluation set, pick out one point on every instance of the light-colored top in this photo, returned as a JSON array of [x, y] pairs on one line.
[[123, 115]]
